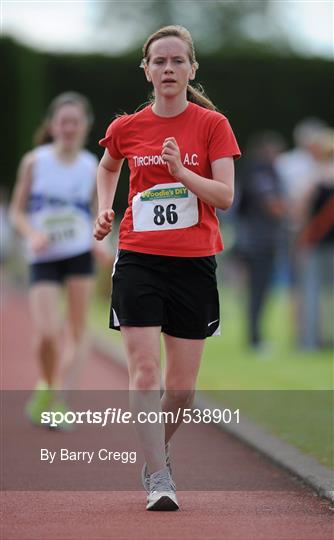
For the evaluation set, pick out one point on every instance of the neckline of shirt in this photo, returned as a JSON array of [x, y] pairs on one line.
[[168, 118], [61, 162]]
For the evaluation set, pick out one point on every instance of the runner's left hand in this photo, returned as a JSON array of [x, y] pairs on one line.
[[171, 154]]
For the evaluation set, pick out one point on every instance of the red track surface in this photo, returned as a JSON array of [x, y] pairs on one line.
[[289, 512]]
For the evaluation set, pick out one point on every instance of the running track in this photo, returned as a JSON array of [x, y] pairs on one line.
[[288, 512]]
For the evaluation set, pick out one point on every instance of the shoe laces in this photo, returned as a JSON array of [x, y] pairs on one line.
[[161, 481]]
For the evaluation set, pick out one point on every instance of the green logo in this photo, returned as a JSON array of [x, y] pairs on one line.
[[169, 193], [58, 220]]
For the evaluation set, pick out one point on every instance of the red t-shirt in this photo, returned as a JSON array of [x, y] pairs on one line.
[[161, 218]]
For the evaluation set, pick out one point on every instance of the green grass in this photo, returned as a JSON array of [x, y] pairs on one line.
[[303, 418], [284, 390], [99, 320], [229, 364]]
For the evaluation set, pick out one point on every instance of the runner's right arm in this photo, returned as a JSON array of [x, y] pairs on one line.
[[17, 211], [107, 178]]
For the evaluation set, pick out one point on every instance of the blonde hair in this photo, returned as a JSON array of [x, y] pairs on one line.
[[194, 94], [42, 134]]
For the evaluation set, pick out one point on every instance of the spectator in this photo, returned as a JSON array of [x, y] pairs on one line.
[[260, 213], [297, 169], [316, 242]]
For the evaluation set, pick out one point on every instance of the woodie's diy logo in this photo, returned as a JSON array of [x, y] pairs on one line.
[[170, 193]]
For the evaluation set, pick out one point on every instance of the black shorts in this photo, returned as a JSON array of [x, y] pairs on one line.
[[177, 293], [58, 271]]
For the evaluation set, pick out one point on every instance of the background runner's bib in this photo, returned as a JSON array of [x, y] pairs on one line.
[[63, 227], [68, 230], [163, 207]]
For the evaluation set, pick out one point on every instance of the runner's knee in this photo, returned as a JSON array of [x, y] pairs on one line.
[[145, 375]]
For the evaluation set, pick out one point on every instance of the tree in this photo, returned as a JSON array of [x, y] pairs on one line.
[[235, 24]]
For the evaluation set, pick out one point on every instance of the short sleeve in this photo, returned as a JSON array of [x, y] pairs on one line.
[[111, 141], [222, 141]]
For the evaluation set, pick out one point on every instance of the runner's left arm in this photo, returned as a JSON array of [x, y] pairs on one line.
[[217, 191]]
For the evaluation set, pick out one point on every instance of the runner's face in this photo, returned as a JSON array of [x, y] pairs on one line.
[[169, 68], [68, 126]]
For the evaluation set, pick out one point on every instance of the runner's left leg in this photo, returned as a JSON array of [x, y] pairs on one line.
[[183, 357]]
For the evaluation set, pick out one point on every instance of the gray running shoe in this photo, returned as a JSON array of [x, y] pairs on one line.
[[145, 475], [162, 496]]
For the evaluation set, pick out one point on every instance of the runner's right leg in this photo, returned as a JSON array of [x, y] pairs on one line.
[[44, 299], [143, 352]]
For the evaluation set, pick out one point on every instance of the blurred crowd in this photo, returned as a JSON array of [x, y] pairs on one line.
[[284, 211]]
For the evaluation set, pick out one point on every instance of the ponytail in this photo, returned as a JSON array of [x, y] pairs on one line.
[[198, 96], [42, 135]]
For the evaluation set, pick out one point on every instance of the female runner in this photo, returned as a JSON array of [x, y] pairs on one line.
[[180, 152], [51, 208]]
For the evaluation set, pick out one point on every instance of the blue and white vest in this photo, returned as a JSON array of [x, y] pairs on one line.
[[59, 203]]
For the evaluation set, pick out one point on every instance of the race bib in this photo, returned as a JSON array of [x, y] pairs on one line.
[[163, 207], [61, 227]]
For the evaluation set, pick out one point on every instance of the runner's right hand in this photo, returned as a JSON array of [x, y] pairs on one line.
[[103, 223]]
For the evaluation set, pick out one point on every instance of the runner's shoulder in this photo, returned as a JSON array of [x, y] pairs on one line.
[[28, 160], [123, 121], [209, 115], [41, 152]]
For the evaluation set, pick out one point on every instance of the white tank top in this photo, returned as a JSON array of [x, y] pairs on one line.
[[59, 203]]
